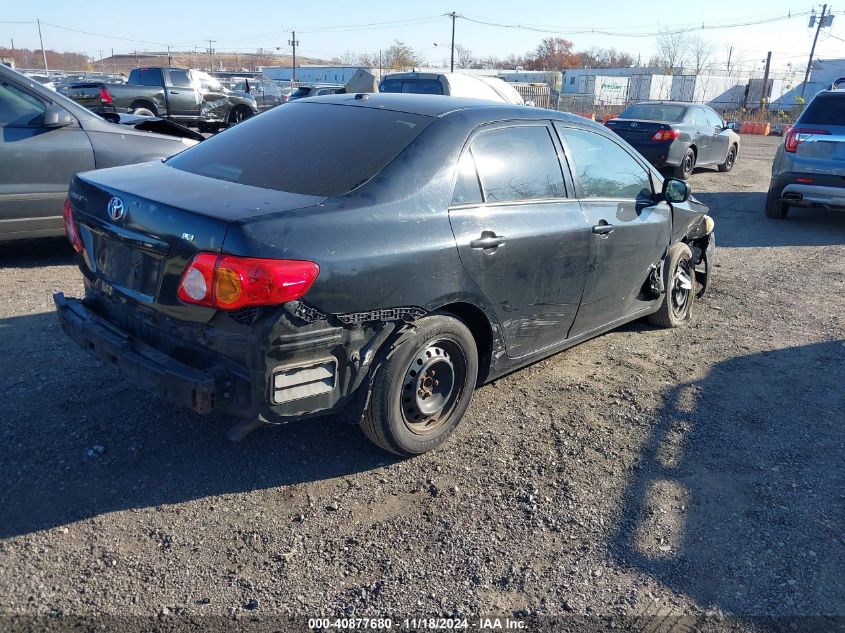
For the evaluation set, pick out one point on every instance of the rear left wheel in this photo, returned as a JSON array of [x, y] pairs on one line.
[[422, 390], [684, 170]]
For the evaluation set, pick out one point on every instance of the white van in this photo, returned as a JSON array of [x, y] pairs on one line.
[[453, 85]]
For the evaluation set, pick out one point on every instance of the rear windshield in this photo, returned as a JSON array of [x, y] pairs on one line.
[[416, 86], [300, 92], [654, 112], [825, 110], [317, 149]]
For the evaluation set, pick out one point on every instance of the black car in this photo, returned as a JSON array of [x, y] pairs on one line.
[[678, 135], [386, 279]]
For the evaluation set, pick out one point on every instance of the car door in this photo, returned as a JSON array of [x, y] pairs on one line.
[[630, 231], [37, 163], [719, 137], [521, 236], [702, 136], [182, 99]]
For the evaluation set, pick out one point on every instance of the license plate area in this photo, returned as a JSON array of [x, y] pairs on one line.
[[128, 267]]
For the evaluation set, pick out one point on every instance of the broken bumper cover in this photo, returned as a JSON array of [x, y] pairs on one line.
[[148, 368]]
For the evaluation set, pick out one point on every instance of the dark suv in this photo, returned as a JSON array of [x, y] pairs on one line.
[[809, 165]]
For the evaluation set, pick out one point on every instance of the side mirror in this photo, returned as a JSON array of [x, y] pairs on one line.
[[56, 116], [675, 190]]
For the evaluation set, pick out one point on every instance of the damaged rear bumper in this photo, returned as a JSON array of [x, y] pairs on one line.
[[148, 368]]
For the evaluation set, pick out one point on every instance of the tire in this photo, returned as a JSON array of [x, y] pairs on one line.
[[409, 412], [238, 114], [730, 159], [684, 170], [143, 110], [676, 307], [774, 207]]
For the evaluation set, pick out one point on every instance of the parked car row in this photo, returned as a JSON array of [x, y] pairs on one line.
[[47, 138]]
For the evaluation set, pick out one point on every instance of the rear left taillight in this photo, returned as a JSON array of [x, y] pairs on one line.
[[665, 135], [71, 229], [798, 135], [227, 282], [105, 96]]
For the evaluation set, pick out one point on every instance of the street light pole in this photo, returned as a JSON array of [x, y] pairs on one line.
[[43, 52], [292, 42]]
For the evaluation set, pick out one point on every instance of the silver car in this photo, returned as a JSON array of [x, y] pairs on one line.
[[809, 165]]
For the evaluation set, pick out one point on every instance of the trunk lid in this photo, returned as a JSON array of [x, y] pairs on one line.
[[86, 94], [637, 132], [142, 224], [822, 153]]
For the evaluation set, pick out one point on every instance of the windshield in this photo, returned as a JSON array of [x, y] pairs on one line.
[[654, 112], [332, 148]]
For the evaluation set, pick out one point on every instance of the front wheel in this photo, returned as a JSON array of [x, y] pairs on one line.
[[422, 390], [238, 114], [678, 275], [143, 111], [730, 159]]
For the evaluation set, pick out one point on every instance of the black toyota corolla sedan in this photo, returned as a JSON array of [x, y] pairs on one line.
[[681, 136], [412, 248]]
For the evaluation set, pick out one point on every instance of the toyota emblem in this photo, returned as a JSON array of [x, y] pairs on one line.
[[116, 208]]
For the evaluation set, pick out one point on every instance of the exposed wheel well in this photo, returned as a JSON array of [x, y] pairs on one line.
[[475, 319], [143, 104], [694, 150]]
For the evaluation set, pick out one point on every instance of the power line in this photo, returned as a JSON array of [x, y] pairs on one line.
[[593, 31]]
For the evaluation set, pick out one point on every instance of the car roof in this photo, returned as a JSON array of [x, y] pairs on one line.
[[440, 106], [686, 104]]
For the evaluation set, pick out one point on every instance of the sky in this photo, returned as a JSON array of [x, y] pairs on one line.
[[330, 28]]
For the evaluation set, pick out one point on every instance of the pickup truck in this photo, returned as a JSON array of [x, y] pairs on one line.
[[190, 97]]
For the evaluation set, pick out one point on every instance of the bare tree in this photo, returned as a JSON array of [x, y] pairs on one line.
[[463, 57], [701, 54], [348, 58], [672, 52]]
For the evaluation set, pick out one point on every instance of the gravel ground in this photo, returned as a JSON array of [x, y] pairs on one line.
[[645, 476]]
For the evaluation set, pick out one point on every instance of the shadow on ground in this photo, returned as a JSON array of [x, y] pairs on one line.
[[739, 498], [52, 251], [78, 440], [741, 221]]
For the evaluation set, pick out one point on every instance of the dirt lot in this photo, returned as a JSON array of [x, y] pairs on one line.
[[643, 475]]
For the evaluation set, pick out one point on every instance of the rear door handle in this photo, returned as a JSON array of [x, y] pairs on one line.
[[487, 240], [174, 92], [603, 229]]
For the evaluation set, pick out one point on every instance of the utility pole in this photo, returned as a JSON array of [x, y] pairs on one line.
[[169, 58], [730, 53], [379, 65], [102, 63], [292, 42], [764, 92], [211, 55], [813, 50], [112, 62], [452, 15], [43, 52], [196, 60]]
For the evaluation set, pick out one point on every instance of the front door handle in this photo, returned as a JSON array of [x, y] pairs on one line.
[[487, 240], [603, 228], [174, 92]]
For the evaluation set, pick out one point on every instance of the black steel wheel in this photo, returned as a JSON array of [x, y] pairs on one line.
[[422, 390], [730, 159], [684, 170], [679, 282]]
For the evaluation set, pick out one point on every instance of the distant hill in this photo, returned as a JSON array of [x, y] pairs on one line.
[[123, 63]]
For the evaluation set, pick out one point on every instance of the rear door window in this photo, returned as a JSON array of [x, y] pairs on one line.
[[332, 149], [713, 119], [603, 168], [825, 110], [518, 163], [146, 76]]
